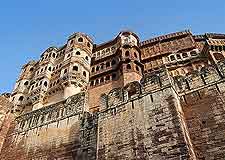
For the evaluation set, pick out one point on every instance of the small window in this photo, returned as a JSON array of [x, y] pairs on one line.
[[87, 58], [88, 44], [68, 55], [97, 81], [31, 69], [80, 39], [42, 70], [114, 76], [113, 62], [127, 53], [135, 55], [75, 68], [137, 68], [93, 69], [107, 78], [178, 56], [92, 83], [40, 83], [65, 71], [53, 55], [46, 68], [71, 42], [184, 55], [77, 53], [26, 83], [102, 66], [102, 80], [21, 98], [50, 68], [172, 58], [84, 74], [128, 66], [45, 84], [107, 64], [193, 53]]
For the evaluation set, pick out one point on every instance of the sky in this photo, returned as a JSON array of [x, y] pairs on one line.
[[28, 27]]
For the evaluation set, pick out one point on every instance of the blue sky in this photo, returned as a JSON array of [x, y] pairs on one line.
[[28, 27]]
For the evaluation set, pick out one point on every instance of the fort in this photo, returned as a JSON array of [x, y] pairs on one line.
[[125, 99]]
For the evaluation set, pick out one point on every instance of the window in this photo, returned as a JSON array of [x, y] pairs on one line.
[[84, 74], [137, 68], [184, 55], [97, 68], [113, 62], [71, 42], [65, 71], [193, 53], [40, 83], [97, 81], [88, 44], [135, 55], [178, 56], [128, 66], [45, 84], [127, 53], [114, 76], [42, 70], [77, 53], [53, 55], [172, 58], [92, 83], [21, 98], [26, 83], [107, 64], [102, 80], [49, 68], [45, 68], [93, 69], [31, 69], [107, 78], [75, 68], [80, 39], [68, 55], [86, 58]]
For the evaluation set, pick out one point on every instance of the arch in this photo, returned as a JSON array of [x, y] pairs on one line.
[[50, 68], [128, 66], [21, 98], [26, 83], [78, 53], [75, 68], [127, 53], [93, 69], [80, 39], [97, 68], [45, 83], [84, 74], [53, 55]]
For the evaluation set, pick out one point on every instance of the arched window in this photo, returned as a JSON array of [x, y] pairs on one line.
[[107, 64], [113, 62], [184, 55], [26, 83], [45, 68], [135, 55], [127, 53], [114, 76], [102, 80], [137, 68], [77, 53], [42, 70], [97, 68], [50, 68], [45, 84], [68, 55], [96, 82], [128, 66], [80, 39], [53, 55], [93, 69], [107, 78], [75, 68], [21, 98], [88, 44], [71, 42], [65, 71], [92, 83], [87, 58], [84, 74], [31, 69], [40, 83], [172, 58], [102, 66]]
